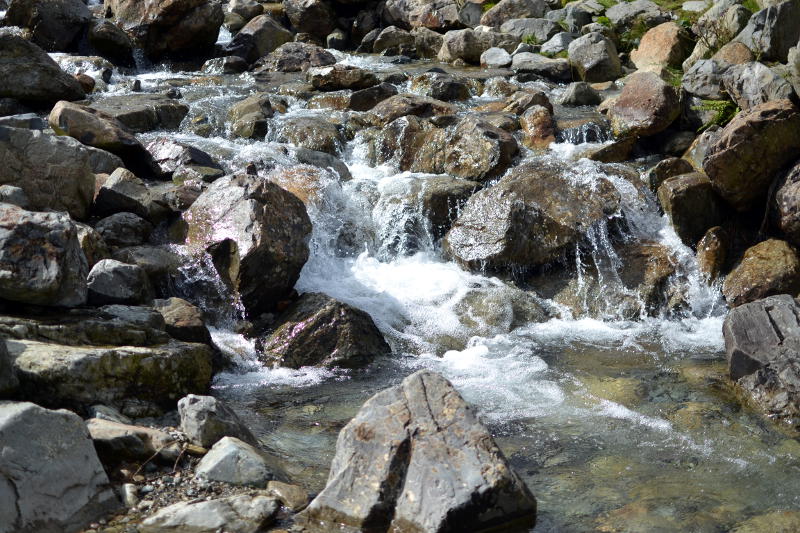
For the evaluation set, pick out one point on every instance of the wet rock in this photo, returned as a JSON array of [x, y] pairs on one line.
[[647, 105], [527, 219], [338, 77], [667, 168], [116, 442], [257, 234], [666, 45], [712, 252], [29, 75], [579, 93], [109, 41], [513, 9], [538, 29], [440, 15], [594, 57], [113, 282], [320, 331], [41, 258], [315, 17], [54, 25], [468, 44], [257, 38], [625, 14], [144, 112], [403, 105], [771, 32], [183, 321], [312, 133], [705, 79], [100, 130], [174, 156], [249, 116], [124, 229], [557, 69], [441, 86], [538, 126], [179, 28], [52, 479], [750, 84], [367, 99], [234, 514], [768, 268], [479, 151], [206, 420], [691, 204], [405, 461], [225, 65], [296, 57], [323, 161], [495, 58], [743, 160], [235, 462]]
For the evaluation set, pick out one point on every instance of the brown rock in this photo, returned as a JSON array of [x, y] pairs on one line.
[[770, 267], [712, 252], [691, 204], [734, 53], [538, 127], [666, 45], [646, 106]]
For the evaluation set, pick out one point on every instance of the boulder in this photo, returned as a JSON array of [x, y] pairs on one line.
[[691, 204], [173, 157], [445, 87], [538, 127], [109, 41], [558, 43], [402, 105], [117, 442], [417, 458], [495, 58], [205, 420], [666, 168], [40, 258], [338, 77], [594, 58], [367, 99], [235, 462], [100, 130], [478, 151], [440, 15], [247, 9], [469, 44], [320, 331], [768, 268], [574, 16], [528, 218], [234, 514], [314, 17], [124, 229], [296, 57], [144, 112], [646, 106], [539, 30], [55, 25], [257, 38], [705, 79], [734, 53], [232, 64], [393, 39], [178, 28], [751, 84], [30, 121], [124, 192], [625, 14], [506, 10], [313, 133], [14, 195], [51, 477], [666, 45], [8, 376], [771, 32], [579, 93], [427, 42], [786, 205], [113, 282], [159, 263], [257, 234], [29, 75], [712, 253], [182, 320], [556, 69], [758, 142]]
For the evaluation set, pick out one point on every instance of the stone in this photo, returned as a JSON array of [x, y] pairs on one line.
[[143, 112], [734, 53], [538, 127], [416, 457], [247, 9], [235, 462], [29, 75], [556, 69], [743, 160], [625, 14], [291, 496], [104, 412], [315, 17], [55, 25], [232, 64], [666, 168], [768, 268], [392, 38], [594, 57], [124, 192], [427, 42], [205, 420], [173, 156], [402, 105], [40, 258], [666, 45], [712, 253], [183, 321], [478, 151], [312, 133], [234, 514], [469, 44], [296, 57], [29, 121], [124, 229], [445, 87], [574, 16], [539, 30], [705, 80], [8, 376], [259, 37], [159, 263], [691, 204], [751, 84], [506, 10], [528, 218], [579, 93], [367, 99], [646, 106], [771, 32], [785, 204], [557, 44], [320, 331], [180, 28], [111, 42], [117, 442], [439, 15], [338, 77], [257, 235], [52, 479], [495, 58], [777, 521], [113, 282]]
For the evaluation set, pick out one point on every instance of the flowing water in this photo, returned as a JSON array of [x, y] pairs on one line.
[[618, 420]]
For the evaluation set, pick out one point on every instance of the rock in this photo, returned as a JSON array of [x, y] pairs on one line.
[[259, 37], [296, 57], [338, 77], [124, 192], [394, 39], [257, 234], [403, 105], [468, 44], [144, 112], [771, 32], [54, 25], [768, 268], [312, 133], [712, 253], [478, 151], [8, 376], [539, 128], [646, 106], [124, 229], [292, 496], [440, 15], [785, 205], [92, 244], [539, 30], [159, 263], [247, 9], [367, 99], [554, 211], [778, 521], [104, 412], [579, 93], [183, 321], [113, 282], [116, 442], [743, 160], [319, 331], [691, 204], [750, 84], [594, 57], [174, 156], [235, 462], [234, 514], [666, 168], [495, 58], [337, 40], [100, 130], [625, 14], [40, 258], [206, 420], [513, 9], [666, 45], [109, 41], [441, 86], [225, 65], [52, 479], [574, 17], [315, 17], [558, 43], [86, 81], [181, 28], [14, 195], [30, 121], [734, 53], [29, 75], [705, 79], [415, 456], [554, 69]]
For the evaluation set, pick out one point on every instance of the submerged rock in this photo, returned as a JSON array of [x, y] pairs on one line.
[[416, 458]]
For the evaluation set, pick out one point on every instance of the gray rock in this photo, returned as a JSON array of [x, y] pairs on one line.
[[247, 9], [785, 205], [574, 16], [594, 57], [10, 194], [323, 160], [580, 93], [468, 44], [124, 229], [392, 38], [8, 376], [29, 121], [513, 9], [624, 14], [337, 40], [750, 84], [159, 263], [416, 457], [112, 282], [124, 192], [117, 442], [495, 58], [313, 133], [427, 42], [691, 204], [231, 64], [55, 24], [440, 86], [705, 79], [41, 258], [773, 31], [257, 38], [557, 69], [538, 29], [233, 461], [234, 514], [51, 478], [438, 15], [111, 42], [339, 77], [296, 57], [206, 420], [478, 151], [174, 156], [144, 112], [558, 43], [104, 412]]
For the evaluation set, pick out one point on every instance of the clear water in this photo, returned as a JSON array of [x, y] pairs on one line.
[[617, 423]]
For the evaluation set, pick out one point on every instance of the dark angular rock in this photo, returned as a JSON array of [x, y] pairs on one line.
[[112, 282], [691, 204]]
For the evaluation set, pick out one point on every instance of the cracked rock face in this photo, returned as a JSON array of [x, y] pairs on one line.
[[415, 458]]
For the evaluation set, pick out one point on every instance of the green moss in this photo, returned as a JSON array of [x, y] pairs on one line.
[[630, 39], [724, 111], [607, 3], [674, 76], [488, 5], [532, 40], [751, 5], [605, 21], [562, 54]]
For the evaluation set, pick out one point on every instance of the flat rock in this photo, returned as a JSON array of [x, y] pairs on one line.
[[234, 514], [144, 112]]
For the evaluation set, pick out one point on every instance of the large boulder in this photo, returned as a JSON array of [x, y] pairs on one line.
[[54, 24], [768, 268], [468, 44], [538, 29], [556, 69], [124, 229], [183, 320], [441, 15], [314, 17], [528, 218], [691, 204], [594, 58], [113, 282], [402, 105], [478, 151], [313, 133], [753, 83], [51, 478], [771, 32], [666, 45], [705, 79], [320, 331], [647, 105], [206, 420], [169, 27], [235, 514], [506, 10], [29, 75], [109, 41], [41, 260], [339, 77], [121, 192], [417, 458], [144, 112], [743, 160], [259, 37], [257, 235]]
